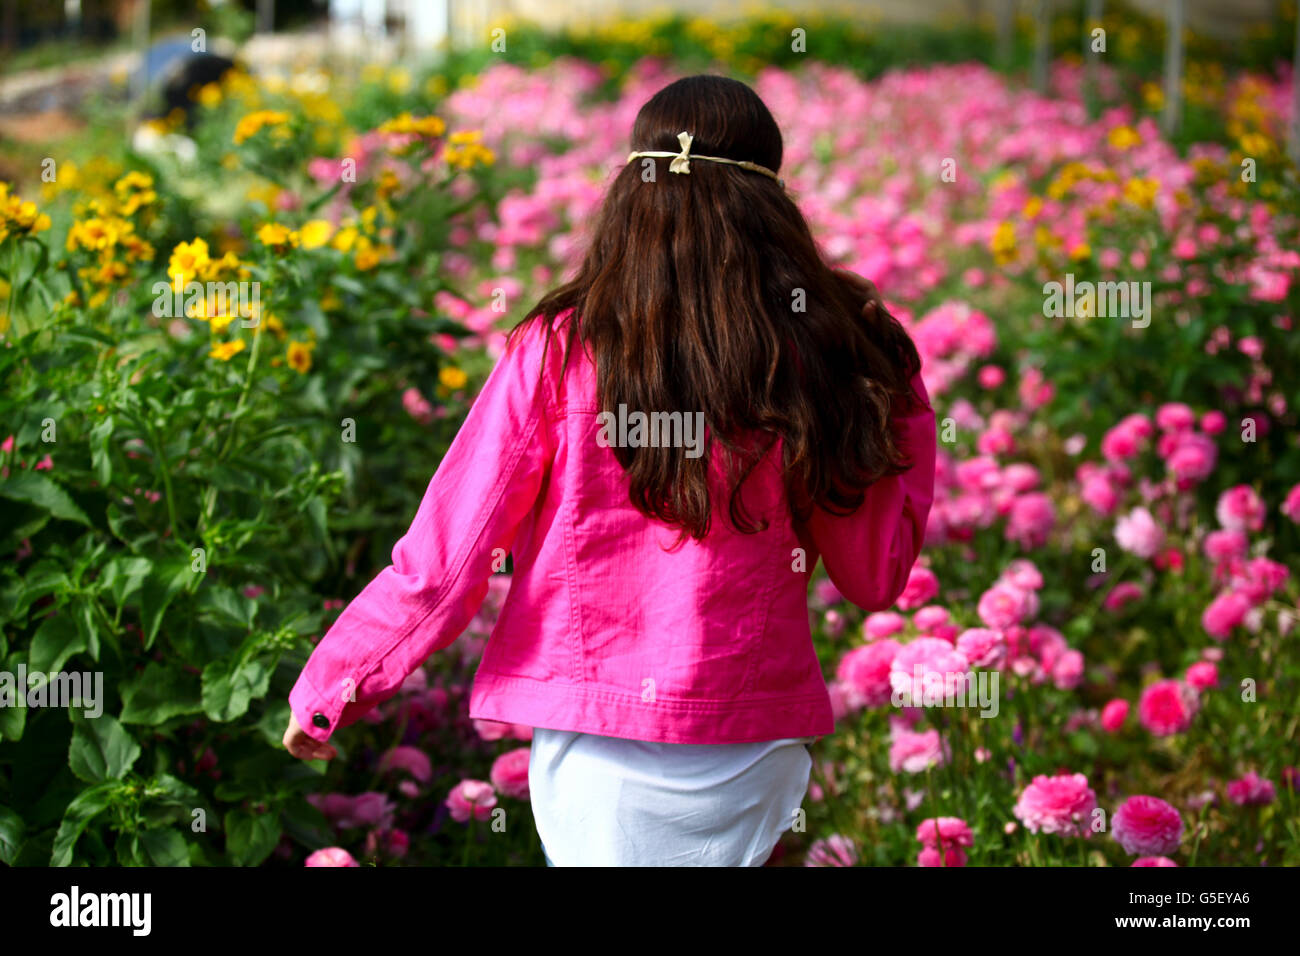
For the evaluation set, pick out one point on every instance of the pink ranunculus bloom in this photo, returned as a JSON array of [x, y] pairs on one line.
[[1240, 508], [930, 617], [411, 759], [991, 376], [1120, 443], [833, 623], [1225, 545], [1259, 578], [915, 752], [491, 729], [1147, 826], [1121, 594], [1175, 417], [883, 624], [389, 843], [950, 831], [1213, 422], [1225, 614], [331, 856], [1291, 506], [922, 585], [509, 773], [1100, 494], [1138, 533], [1004, 605], [928, 666], [417, 406], [930, 857], [1202, 675], [835, 850], [1192, 460], [864, 673], [1252, 790], [1153, 861], [1167, 707], [1031, 520], [827, 593], [983, 647], [1022, 573], [1114, 714], [471, 798], [1067, 670], [1059, 804]]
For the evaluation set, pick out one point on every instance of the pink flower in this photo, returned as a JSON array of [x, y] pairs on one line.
[[1213, 422], [412, 760], [1291, 507], [922, 585], [1138, 533], [1192, 459], [1225, 613], [1226, 545], [864, 672], [983, 647], [331, 856], [474, 798], [927, 667], [912, 752], [1147, 826], [1023, 574], [1114, 714], [1240, 508], [1059, 804], [952, 856], [990, 376], [883, 624], [1175, 417], [928, 618], [1003, 605], [1202, 675], [1167, 707], [1153, 861], [1252, 790], [369, 809], [951, 831], [509, 773], [1121, 594], [1067, 670], [1031, 520], [835, 850]]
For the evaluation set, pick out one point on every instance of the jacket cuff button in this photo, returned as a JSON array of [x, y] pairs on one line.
[[321, 721]]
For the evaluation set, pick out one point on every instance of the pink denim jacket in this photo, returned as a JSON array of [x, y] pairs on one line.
[[606, 629]]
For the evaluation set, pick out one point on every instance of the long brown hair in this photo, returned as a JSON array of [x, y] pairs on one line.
[[689, 299]]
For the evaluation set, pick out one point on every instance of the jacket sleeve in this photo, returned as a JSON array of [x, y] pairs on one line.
[[488, 481], [869, 554]]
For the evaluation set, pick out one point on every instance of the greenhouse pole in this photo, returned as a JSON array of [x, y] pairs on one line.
[[1042, 45], [1173, 67], [1005, 25]]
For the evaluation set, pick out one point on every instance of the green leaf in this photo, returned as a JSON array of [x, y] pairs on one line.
[[101, 749], [123, 576], [54, 642], [229, 688], [167, 581], [41, 491], [100, 456], [159, 694], [250, 837], [12, 831], [88, 805], [164, 848], [13, 715]]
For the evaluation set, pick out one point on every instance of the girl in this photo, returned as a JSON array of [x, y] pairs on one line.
[[656, 631]]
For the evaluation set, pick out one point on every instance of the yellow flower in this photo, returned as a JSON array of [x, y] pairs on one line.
[[315, 234], [299, 354], [452, 377], [367, 254], [1033, 207], [275, 234], [465, 149], [254, 122], [187, 260], [346, 238], [1003, 243], [225, 351], [134, 190], [209, 95], [1123, 137], [1142, 192], [1081, 251], [275, 325]]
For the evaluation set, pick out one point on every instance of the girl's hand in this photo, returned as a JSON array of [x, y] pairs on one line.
[[303, 747]]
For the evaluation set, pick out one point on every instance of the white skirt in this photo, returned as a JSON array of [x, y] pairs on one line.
[[606, 801]]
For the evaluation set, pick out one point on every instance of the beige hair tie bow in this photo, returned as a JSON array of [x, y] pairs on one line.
[[681, 162]]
